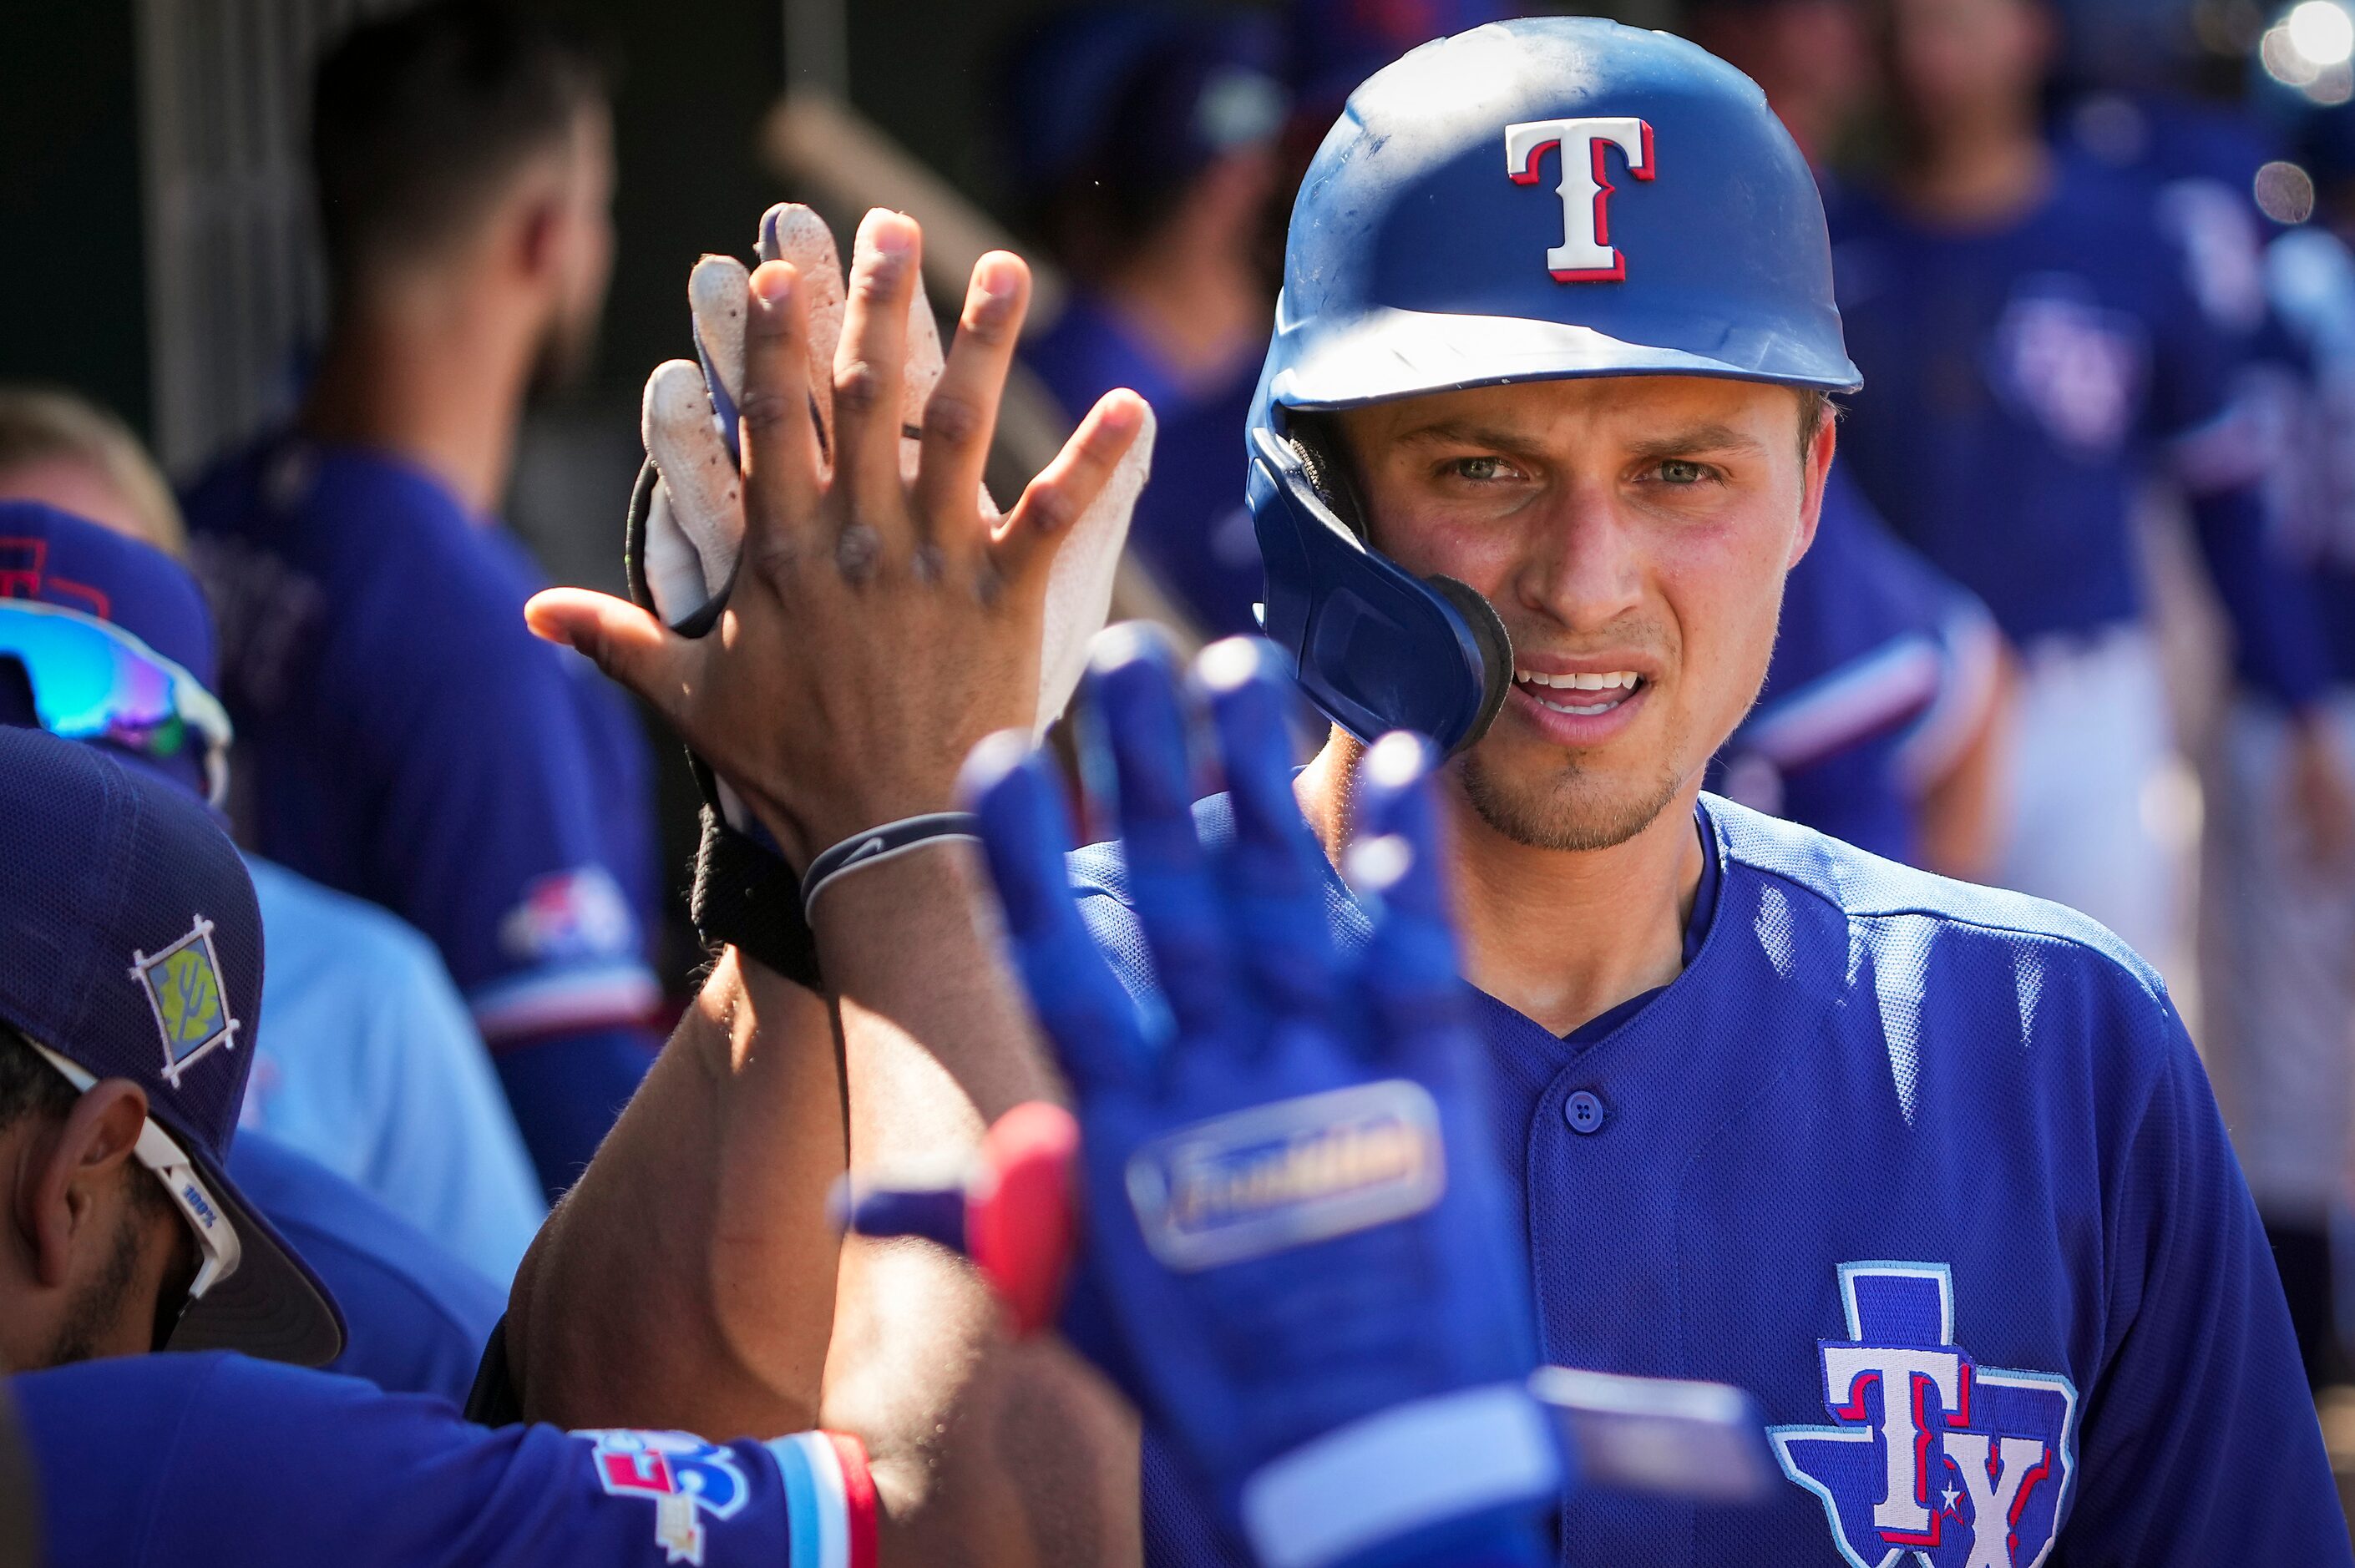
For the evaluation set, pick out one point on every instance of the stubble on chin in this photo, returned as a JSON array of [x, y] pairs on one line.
[[1569, 808]]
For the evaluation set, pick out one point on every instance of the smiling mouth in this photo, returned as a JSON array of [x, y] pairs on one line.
[[1585, 694]]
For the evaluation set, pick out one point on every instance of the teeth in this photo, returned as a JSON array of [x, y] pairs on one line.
[[1613, 681]]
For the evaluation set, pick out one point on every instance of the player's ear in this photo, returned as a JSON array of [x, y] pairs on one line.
[[1816, 466], [71, 1172], [539, 234]]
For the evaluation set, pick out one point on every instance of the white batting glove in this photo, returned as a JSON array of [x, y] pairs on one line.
[[694, 525]]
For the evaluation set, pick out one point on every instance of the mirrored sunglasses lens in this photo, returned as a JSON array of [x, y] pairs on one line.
[[87, 686]]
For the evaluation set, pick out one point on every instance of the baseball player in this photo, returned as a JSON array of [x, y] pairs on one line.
[[1931, 1168], [2278, 901], [1885, 711], [410, 742], [374, 1067], [1757, 1091], [2038, 357], [1164, 235]]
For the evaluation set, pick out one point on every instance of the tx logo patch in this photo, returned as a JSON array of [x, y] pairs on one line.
[[683, 1475], [184, 990], [1584, 255], [1960, 1466]]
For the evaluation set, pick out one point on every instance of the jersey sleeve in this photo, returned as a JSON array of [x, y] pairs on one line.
[[2201, 1444], [491, 838], [489, 831], [2215, 447], [247, 1462]]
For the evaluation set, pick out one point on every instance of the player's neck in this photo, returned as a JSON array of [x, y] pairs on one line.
[[428, 373], [1984, 177], [1560, 936]]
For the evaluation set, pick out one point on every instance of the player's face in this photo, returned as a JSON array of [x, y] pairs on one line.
[[582, 259], [1633, 532], [1952, 63]]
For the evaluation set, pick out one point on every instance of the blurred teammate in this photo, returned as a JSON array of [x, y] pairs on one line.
[[2035, 356], [373, 1068], [410, 742], [2278, 900], [1887, 705], [2277, 1014], [1143, 139]]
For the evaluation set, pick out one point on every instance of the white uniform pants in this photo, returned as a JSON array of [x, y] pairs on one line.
[[2088, 792], [2277, 965]]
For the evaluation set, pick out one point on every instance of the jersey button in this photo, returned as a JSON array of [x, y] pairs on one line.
[[1583, 1111]]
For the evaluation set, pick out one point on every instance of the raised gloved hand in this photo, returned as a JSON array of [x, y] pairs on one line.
[[1299, 1259], [687, 531]]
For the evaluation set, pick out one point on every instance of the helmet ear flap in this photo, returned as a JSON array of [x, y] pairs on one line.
[[1311, 439], [1495, 645]]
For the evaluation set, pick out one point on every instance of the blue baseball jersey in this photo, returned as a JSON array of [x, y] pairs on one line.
[[416, 1317], [1933, 1172], [406, 738], [372, 1067], [171, 1460], [1190, 525], [1881, 665], [2021, 384]]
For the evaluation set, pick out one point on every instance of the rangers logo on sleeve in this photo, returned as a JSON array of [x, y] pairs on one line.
[[1931, 1455], [683, 1475]]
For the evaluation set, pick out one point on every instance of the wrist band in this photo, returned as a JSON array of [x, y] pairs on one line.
[[830, 1499], [1400, 1470], [877, 845]]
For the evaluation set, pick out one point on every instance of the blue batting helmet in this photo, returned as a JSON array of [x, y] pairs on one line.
[[1535, 199]]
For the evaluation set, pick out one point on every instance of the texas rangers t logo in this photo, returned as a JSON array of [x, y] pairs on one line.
[[1584, 255], [1958, 1465]]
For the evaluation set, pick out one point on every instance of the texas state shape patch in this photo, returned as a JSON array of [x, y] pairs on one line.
[[1958, 1465]]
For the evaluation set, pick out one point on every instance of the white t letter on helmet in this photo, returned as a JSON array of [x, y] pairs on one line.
[[1584, 255]]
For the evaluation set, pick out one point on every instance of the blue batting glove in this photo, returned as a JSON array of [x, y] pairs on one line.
[[1301, 1251]]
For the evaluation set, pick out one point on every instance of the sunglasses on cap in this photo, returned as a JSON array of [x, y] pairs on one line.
[[161, 1153], [93, 681]]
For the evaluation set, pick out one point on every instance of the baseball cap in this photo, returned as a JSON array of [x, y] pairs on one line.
[[1136, 96], [131, 948], [116, 643]]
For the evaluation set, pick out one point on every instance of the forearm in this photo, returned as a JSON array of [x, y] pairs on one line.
[[983, 1450], [687, 1280]]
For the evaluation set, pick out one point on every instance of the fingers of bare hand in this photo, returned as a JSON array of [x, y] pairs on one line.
[[1026, 543], [780, 445], [627, 644], [959, 420], [869, 367]]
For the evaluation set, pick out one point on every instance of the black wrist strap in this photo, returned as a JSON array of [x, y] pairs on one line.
[[877, 845], [745, 896]]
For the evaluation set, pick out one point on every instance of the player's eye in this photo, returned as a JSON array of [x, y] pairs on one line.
[[1677, 471], [1488, 470]]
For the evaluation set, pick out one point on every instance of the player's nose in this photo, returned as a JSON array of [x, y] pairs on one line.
[[1582, 564]]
